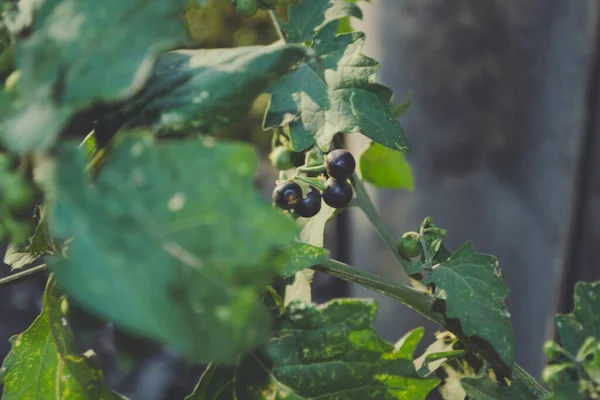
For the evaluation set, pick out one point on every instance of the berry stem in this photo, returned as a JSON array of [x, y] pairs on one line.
[[318, 168], [367, 206], [316, 182]]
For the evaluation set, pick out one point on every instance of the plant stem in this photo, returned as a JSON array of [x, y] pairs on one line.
[[318, 168], [365, 204], [422, 302], [277, 25], [23, 274]]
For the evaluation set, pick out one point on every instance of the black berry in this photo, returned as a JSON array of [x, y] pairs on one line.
[[310, 206], [338, 193], [340, 164], [287, 195]]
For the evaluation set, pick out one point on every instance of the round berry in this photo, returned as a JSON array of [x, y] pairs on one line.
[[310, 206], [409, 246], [246, 7], [340, 164], [282, 158], [338, 193], [287, 195]]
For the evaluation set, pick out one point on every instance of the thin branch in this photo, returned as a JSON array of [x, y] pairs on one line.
[[277, 25], [422, 302], [23, 274]]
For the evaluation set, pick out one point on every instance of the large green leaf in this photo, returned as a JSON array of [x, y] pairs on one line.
[[334, 93], [326, 352], [171, 242], [44, 362], [82, 51], [386, 168], [206, 89], [475, 294], [304, 18]]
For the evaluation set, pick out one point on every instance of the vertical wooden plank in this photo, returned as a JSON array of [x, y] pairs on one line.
[[497, 122]]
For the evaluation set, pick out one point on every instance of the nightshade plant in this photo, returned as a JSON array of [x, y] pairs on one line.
[[145, 218]]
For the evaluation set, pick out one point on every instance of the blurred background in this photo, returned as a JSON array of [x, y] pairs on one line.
[[506, 153]]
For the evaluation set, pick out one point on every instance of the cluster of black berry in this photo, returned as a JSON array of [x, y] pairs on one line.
[[340, 165]]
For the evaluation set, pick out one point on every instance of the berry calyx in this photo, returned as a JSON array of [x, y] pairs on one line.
[[338, 193], [409, 246], [340, 164], [287, 195], [282, 158], [311, 205]]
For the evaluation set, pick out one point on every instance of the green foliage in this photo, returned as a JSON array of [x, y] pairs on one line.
[[174, 274], [386, 168], [326, 352], [574, 364], [63, 62], [44, 362], [204, 90], [474, 293], [161, 232], [332, 92]]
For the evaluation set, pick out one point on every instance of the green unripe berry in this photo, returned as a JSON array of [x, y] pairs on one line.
[[409, 246], [282, 158], [246, 7]]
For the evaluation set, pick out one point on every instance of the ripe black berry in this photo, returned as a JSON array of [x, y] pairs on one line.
[[340, 164], [287, 195], [338, 193], [311, 205]]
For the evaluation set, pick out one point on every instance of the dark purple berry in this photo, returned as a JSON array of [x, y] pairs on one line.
[[340, 164], [311, 205], [338, 193], [287, 195]]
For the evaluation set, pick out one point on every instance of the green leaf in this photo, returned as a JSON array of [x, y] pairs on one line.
[[475, 295], [19, 256], [64, 63], [301, 256], [323, 352], [303, 19], [170, 242], [579, 335], [484, 388], [44, 362], [407, 345], [574, 328], [386, 168], [334, 93], [206, 89]]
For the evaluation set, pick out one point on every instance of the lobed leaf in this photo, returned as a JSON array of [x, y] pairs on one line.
[[44, 362], [322, 352], [475, 294], [334, 93], [82, 51], [170, 242]]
